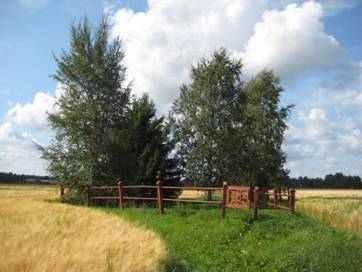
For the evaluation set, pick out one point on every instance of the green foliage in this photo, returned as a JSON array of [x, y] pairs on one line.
[[202, 116], [227, 129], [221, 128], [149, 144], [279, 241], [91, 110], [149, 152], [262, 127], [16, 178], [101, 135], [332, 181]]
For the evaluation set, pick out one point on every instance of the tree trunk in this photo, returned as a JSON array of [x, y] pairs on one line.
[[209, 195]]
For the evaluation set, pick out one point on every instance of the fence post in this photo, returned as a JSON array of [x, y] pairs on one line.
[[120, 195], [291, 198], [256, 197], [61, 193], [249, 197], [276, 197], [88, 196], [223, 204], [280, 194], [159, 196]]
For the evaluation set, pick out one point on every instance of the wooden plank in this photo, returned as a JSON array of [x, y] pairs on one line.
[[139, 198], [282, 208], [291, 200], [140, 186], [275, 206], [266, 193], [104, 197], [238, 206], [103, 187], [159, 196], [239, 188], [224, 192], [88, 195], [192, 188], [192, 201], [256, 200], [121, 195], [276, 197]]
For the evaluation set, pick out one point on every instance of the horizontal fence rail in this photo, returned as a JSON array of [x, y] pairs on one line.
[[160, 199], [240, 197], [262, 198]]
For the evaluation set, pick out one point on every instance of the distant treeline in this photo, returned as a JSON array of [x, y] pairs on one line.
[[14, 178], [331, 181]]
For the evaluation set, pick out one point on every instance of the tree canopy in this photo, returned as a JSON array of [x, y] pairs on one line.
[[101, 134], [219, 128], [228, 129]]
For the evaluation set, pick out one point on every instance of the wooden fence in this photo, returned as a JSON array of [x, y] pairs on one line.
[[262, 199], [239, 197], [160, 199]]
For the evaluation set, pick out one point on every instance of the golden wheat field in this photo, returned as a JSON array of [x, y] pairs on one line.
[[302, 193], [339, 208], [38, 234]]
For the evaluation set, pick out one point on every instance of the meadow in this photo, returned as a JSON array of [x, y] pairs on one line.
[[38, 233], [198, 240]]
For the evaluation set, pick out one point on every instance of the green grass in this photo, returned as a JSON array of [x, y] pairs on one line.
[[199, 240]]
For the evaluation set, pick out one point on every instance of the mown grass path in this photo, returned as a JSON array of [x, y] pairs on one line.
[[199, 240]]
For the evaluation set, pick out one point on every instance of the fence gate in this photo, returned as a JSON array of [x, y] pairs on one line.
[[238, 197]]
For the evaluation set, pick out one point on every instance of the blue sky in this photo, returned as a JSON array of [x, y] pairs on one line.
[[314, 47]]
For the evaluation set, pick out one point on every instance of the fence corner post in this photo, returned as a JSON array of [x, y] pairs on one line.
[[223, 204], [291, 198], [61, 193], [256, 200], [120, 195], [159, 196], [88, 196]]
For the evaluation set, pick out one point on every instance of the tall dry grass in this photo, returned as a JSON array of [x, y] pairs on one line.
[[338, 208], [37, 234]]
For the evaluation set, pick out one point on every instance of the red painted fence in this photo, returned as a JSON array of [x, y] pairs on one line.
[[261, 199], [239, 197], [160, 199]]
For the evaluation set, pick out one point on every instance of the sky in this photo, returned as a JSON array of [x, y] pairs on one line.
[[314, 47]]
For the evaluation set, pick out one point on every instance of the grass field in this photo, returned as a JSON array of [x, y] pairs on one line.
[[38, 234], [199, 240], [338, 208]]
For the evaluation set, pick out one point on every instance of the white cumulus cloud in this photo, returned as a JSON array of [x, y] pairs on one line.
[[319, 138], [26, 125], [292, 41], [32, 114], [163, 42]]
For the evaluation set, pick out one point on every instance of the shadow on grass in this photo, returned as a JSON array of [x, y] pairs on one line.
[[175, 265]]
